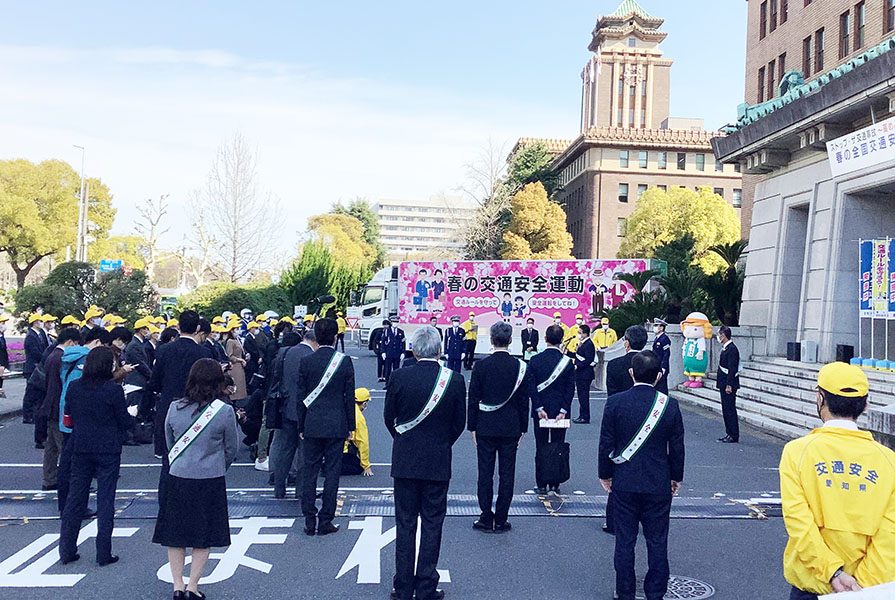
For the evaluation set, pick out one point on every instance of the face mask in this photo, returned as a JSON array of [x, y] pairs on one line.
[[605, 327], [530, 326], [579, 321], [557, 320], [582, 337], [2, 327], [97, 321], [118, 344]]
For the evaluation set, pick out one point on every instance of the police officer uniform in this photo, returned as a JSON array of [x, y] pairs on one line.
[[455, 345], [392, 346], [662, 349]]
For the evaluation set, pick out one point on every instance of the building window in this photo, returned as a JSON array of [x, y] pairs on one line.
[[643, 118], [890, 16], [784, 11], [664, 188], [640, 189], [642, 158], [844, 34], [623, 192], [621, 229], [631, 117], [737, 168], [860, 21], [737, 198], [819, 50], [662, 159], [772, 69], [632, 43], [773, 15], [623, 158], [621, 115], [719, 166], [681, 160], [763, 21], [761, 85], [700, 162], [781, 67], [806, 56], [719, 191]]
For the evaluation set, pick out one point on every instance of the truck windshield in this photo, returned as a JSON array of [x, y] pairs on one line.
[[371, 295]]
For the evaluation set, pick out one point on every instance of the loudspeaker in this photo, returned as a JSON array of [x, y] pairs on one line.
[[844, 353], [794, 351]]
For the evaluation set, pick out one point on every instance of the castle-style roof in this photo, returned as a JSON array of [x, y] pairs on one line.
[[628, 19], [630, 7]]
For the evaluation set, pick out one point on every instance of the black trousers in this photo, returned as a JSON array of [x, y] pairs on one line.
[[380, 366], [84, 468], [427, 501], [583, 387], [797, 594], [286, 445], [63, 475], [31, 401], [543, 436], [503, 449], [652, 511], [325, 453], [392, 363], [454, 364], [729, 411], [470, 354], [341, 340], [40, 429], [662, 386]]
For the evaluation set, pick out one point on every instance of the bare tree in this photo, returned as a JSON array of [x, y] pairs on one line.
[[485, 185], [485, 174], [237, 212], [151, 212], [202, 243]]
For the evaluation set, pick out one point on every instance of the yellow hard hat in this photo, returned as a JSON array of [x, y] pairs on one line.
[[69, 320], [154, 329], [145, 322], [308, 318], [253, 325], [471, 314], [35, 317], [159, 320], [579, 316], [4, 318], [361, 395], [172, 323], [49, 318], [273, 322], [843, 380], [339, 314], [557, 314], [604, 321]]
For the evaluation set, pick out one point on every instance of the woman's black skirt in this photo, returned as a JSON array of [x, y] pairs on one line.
[[193, 514]]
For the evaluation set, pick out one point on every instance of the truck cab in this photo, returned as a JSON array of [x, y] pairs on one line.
[[378, 301]]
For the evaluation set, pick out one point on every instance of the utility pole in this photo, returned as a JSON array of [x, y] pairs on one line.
[[81, 246]]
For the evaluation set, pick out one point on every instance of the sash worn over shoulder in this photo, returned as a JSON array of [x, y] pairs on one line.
[[557, 371], [519, 378], [646, 430], [194, 430], [441, 383], [334, 363]]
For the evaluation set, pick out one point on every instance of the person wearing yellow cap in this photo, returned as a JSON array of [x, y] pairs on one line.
[[837, 487], [135, 354], [343, 325], [472, 335], [728, 383], [69, 321], [92, 318], [356, 454], [36, 342], [570, 339], [603, 337], [217, 320], [173, 323]]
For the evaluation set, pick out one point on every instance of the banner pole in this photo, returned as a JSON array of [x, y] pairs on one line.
[[860, 295]]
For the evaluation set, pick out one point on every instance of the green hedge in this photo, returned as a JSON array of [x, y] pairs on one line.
[[215, 298]]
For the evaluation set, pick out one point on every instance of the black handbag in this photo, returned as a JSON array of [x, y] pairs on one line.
[[38, 378], [143, 432], [552, 463]]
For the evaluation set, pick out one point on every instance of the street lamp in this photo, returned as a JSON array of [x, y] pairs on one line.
[[81, 250]]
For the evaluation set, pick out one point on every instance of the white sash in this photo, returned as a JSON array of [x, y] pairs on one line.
[[519, 378], [334, 363], [646, 429], [194, 430], [557, 371], [441, 383]]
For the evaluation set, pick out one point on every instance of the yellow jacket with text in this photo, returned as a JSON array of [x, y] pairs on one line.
[[360, 438], [838, 492], [472, 329], [342, 323], [604, 339]]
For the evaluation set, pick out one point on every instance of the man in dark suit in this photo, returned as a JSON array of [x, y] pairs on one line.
[[287, 443], [728, 384], [642, 474], [585, 356], [173, 362], [433, 321], [326, 418], [375, 338], [252, 351], [529, 339], [34, 349], [551, 387], [498, 418], [455, 345], [421, 461], [662, 349], [391, 347], [618, 380], [135, 354]]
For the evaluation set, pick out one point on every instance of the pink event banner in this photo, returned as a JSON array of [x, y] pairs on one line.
[[512, 291]]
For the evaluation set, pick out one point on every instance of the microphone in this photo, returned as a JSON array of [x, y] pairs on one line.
[[325, 299]]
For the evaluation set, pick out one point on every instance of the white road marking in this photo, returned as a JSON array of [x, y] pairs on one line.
[[260, 489], [141, 465]]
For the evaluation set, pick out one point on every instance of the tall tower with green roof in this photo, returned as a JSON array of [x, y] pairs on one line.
[[626, 82]]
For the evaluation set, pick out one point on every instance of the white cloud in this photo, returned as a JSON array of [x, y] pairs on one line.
[[151, 119]]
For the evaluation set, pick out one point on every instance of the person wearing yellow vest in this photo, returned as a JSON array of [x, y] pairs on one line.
[[604, 336], [343, 325], [837, 486], [570, 340], [356, 460], [557, 320], [472, 335]]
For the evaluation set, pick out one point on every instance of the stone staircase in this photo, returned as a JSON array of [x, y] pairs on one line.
[[777, 395]]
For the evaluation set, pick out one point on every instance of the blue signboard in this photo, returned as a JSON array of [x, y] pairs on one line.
[[865, 280], [110, 265]]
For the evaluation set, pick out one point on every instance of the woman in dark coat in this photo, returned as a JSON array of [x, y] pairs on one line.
[[202, 439], [98, 416]]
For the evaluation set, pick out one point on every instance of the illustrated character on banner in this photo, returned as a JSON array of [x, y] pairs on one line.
[[519, 306], [598, 293], [696, 329], [421, 298], [506, 307], [438, 291]]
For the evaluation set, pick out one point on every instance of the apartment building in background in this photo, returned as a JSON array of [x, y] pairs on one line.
[[424, 229]]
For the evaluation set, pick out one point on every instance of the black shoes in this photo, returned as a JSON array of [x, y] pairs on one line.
[[108, 561], [727, 440], [581, 421], [50, 488], [541, 491], [480, 525], [279, 493], [554, 489], [327, 528], [310, 530], [90, 514], [38, 445], [607, 530], [66, 561], [179, 595], [196, 596], [503, 527]]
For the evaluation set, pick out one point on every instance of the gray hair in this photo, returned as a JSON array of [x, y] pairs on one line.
[[501, 334], [426, 342], [309, 335]]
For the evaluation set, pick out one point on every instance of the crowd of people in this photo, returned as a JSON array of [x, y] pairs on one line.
[[196, 386]]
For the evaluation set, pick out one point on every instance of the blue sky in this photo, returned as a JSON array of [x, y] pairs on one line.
[[341, 100]]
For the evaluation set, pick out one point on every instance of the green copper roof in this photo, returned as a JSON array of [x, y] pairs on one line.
[[630, 6]]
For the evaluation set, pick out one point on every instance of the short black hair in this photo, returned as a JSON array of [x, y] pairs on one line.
[[518, 298], [554, 335], [844, 406], [433, 318], [725, 331], [646, 366], [439, 271], [326, 330], [189, 322], [168, 335], [530, 320], [636, 336], [506, 294], [584, 328], [122, 333], [98, 333], [423, 271], [204, 326], [98, 364], [280, 327], [69, 334]]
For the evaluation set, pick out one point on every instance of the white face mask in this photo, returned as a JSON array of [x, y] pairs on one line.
[[605, 327], [557, 320], [530, 326], [582, 337], [118, 344], [579, 321], [98, 321], [2, 327]]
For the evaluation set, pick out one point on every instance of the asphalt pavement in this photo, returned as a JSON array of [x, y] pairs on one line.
[[726, 539]]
